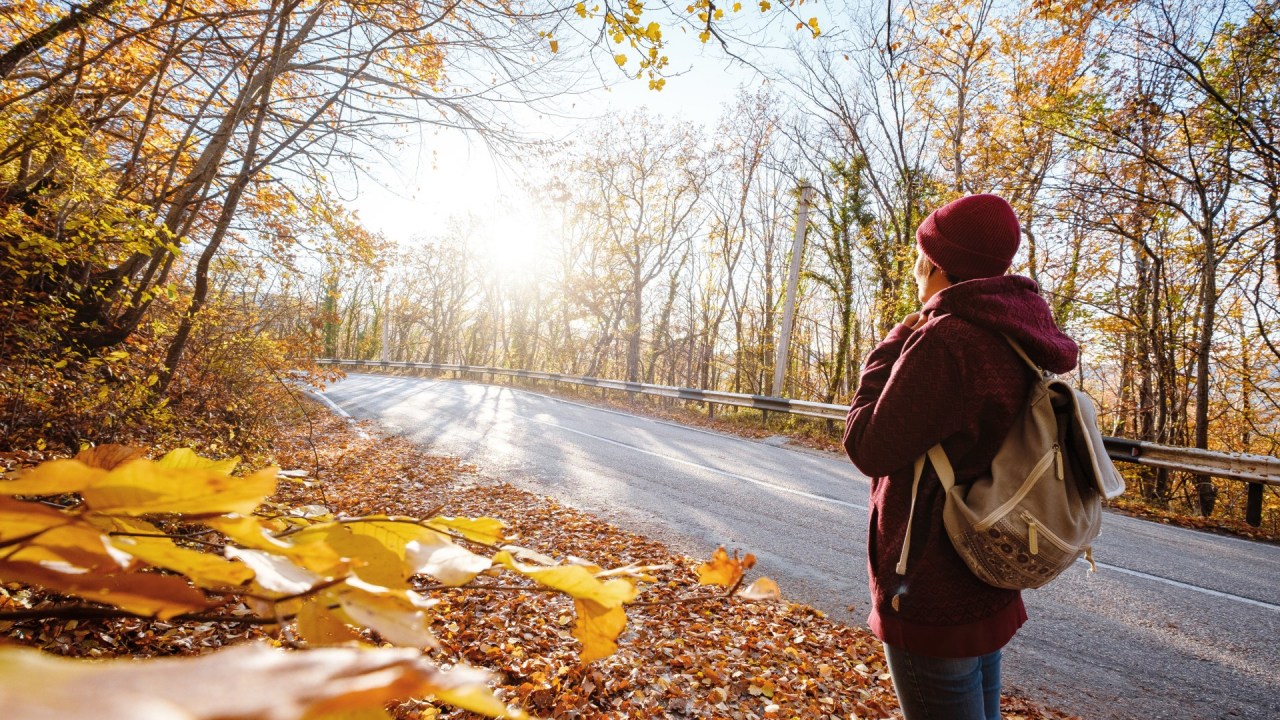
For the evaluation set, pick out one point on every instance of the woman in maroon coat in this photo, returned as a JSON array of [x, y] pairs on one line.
[[946, 374]]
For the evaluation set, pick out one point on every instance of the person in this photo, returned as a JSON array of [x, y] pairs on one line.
[[946, 374]]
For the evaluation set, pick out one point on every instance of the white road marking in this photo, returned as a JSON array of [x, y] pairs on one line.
[[341, 413], [1188, 586]]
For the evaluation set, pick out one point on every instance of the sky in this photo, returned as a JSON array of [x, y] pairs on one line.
[[443, 175]]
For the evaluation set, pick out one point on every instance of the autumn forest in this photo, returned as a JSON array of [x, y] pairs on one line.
[[180, 244]]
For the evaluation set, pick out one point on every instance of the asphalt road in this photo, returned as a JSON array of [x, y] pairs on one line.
[[1176, 624]]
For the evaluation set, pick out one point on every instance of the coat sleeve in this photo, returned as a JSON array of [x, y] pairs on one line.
[[909, 398]]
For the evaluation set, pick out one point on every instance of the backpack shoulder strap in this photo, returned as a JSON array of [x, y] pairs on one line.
[[941, 465], [1040, 372]]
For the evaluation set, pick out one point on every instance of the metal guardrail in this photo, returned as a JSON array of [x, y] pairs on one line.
[[1236, 466]]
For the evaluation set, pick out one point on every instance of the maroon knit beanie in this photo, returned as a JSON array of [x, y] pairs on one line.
[[973, 237]]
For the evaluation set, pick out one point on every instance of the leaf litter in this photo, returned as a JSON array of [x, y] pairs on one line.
[[687, 651]]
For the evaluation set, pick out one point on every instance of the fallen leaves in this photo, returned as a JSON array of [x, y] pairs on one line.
[[686, 652]]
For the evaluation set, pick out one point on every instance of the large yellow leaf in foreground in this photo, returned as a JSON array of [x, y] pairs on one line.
[[484, 530], [598, 628], [141, 487], [161, 596], [241, 683], [575, 581], [23, 520], [598, 603], [147, 543], [54, 477]]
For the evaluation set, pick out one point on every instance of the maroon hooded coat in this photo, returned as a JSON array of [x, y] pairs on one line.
[[956, 381]]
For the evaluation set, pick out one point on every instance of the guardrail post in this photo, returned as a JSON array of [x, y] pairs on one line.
[[1253, 505]]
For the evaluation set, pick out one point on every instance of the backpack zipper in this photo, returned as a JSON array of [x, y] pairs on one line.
[[1027, 485], [1035, 528], [1057, 455]]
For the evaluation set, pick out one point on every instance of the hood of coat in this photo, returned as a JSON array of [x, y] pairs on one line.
[[1010, 304]]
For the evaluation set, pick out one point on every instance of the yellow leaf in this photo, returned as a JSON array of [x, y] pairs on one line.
[[187, 459], [142, 487], [108, 457], [371, 560], [598, 628], [20, 519], [555, 46], [396, 616], [581, 9], [762, 589], [162, 596], [387, 551], [530, 556], [724, 570], [445, 561], [276, 573], [620, 59], [573, 580], [478, 699], [483, 530], [320, 626], [392, 534], [205, 569], [74, 545], [268, 683], [54, 477], [305, 549]]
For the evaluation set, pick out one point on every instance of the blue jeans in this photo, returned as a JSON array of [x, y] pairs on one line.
[[931, 688]]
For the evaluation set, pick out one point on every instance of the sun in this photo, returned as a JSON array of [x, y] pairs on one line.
[[514, 241]]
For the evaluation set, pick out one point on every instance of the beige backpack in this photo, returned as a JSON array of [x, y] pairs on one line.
[[1041, 507]]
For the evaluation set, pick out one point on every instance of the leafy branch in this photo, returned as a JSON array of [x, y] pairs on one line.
[[321, 580]]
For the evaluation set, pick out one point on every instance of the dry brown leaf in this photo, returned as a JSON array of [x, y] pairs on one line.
[[109, 456], [249, 682]]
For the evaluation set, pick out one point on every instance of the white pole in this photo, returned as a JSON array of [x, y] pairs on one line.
[[789, 311], [386, 319]]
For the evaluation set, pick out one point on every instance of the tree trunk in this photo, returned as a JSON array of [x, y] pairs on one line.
[[1206, 491]]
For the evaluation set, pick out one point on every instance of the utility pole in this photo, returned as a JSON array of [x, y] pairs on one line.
[[789, 311]]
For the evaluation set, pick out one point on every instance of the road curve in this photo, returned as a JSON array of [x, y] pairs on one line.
[[1177, 623]]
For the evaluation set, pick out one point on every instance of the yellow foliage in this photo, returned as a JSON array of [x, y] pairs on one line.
[[331, 578], [597, 628], [147, 594], [724, 570], [268, 683]]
